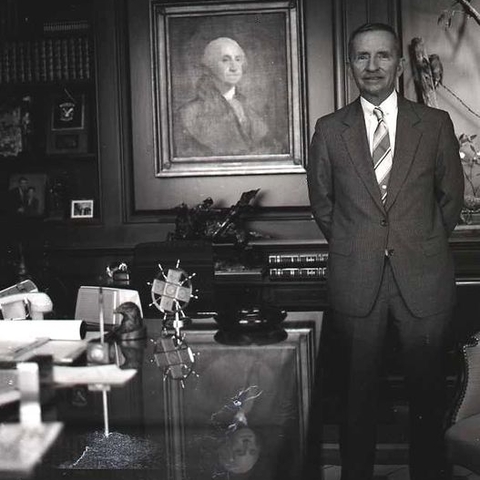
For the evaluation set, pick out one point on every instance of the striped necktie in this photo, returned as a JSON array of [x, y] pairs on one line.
[[381, 153]]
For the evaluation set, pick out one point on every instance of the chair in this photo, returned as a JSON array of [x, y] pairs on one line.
[[463, 436]]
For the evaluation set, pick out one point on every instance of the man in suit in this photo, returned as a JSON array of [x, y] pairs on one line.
[[17, 197], [386, 190]]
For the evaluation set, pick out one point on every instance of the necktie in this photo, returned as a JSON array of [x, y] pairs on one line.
[[381, 153]]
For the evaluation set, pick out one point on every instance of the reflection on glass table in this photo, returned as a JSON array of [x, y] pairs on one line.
[[242, 413]]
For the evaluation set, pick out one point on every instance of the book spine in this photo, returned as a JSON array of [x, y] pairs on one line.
[[65, 59], [72, 59], [36, 77], [313, 273], [2, 47], [5, 63], [80, 58], [88, 57], [57, 58], [50, 75], [43, 60], [297, 259], [20, 48], [13, 62], [28, 62]]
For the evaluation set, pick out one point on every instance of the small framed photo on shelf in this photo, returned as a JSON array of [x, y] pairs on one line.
[[67, 124], [81, 209], [26, 194]]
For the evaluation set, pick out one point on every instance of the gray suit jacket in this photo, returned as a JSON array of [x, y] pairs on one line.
[[425, 196]]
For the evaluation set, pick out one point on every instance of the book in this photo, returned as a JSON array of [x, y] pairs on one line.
[[312, 273], [50, 75], [65, 62], [20, 49], [298, 259], [72, 59], [36, 61], [80, 58], [28, 62], [43, 60]]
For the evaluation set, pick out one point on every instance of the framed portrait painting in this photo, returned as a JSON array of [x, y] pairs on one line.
[[228, 88]]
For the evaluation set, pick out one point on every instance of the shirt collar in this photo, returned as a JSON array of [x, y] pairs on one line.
[[389, 105], [230, 94]]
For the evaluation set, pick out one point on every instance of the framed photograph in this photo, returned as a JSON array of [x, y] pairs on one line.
[[67, 125], [26, 194], [15, 126], [81, 209], [228, 88]]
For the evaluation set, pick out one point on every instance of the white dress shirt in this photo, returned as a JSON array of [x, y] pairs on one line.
[[389, 108]]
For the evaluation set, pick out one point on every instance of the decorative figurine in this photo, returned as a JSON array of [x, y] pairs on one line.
[[131, 326], [171, 293], [204, 222]]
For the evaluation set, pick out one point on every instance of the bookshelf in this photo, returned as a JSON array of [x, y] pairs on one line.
[[67, 57], [48, 103]]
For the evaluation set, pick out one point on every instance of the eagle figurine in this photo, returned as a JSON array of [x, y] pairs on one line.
[[131, 326]]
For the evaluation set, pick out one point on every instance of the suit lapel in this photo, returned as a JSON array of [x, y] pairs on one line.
[[406, 143], [355, 136]]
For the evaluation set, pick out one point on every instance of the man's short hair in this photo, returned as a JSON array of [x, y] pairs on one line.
[[373, 27]]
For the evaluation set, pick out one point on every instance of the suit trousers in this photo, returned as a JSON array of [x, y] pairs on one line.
[[422, 345]]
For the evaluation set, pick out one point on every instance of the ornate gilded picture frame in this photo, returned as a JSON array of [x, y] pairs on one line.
[[228, 88]]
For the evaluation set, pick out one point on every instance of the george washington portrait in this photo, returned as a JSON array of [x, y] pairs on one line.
[[229, 91]]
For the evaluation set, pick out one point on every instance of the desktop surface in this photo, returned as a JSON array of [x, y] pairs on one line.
[[220, 407]]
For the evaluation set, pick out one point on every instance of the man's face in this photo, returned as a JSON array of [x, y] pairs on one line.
[[375, 65], [23, 184], [226, 63]]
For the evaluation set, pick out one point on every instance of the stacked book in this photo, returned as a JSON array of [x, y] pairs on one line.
[[297, 266], [49, 59]]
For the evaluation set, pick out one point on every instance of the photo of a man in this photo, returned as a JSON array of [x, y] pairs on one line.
[[31, 203], [26, 195], [17, 196]]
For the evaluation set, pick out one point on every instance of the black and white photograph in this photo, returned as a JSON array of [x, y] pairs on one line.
[[276, 205], [26, 195], [81, 209]]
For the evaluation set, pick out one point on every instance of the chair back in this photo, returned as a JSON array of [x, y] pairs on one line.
[[468, 402]]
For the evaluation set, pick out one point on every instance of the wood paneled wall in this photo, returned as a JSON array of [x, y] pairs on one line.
[[133, 200]]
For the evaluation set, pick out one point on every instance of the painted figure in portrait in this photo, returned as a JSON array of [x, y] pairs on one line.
[[220, 120]]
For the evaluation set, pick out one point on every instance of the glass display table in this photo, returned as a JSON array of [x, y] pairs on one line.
[[221, 406]]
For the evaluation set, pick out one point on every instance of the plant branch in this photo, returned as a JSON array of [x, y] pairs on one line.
[[472, 11], [460, 100]]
